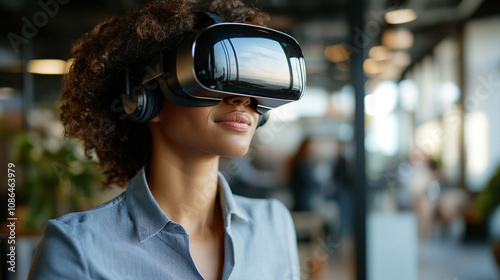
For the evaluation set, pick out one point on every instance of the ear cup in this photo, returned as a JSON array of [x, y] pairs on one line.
[[143, 104], [152, 105], [263, 119]]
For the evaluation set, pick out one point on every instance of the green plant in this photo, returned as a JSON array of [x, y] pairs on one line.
[[56, 176], [489, 198]]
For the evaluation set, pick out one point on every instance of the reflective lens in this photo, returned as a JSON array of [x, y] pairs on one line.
[[249, 60]]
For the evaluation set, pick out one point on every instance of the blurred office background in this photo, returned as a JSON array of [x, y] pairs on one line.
[[389, 164]]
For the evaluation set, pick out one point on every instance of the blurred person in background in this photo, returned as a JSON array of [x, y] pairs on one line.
[[177, 218], [302, 181], [425, 188], [342, 187]]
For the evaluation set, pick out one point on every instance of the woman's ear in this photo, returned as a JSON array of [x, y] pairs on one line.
[[155, 119]]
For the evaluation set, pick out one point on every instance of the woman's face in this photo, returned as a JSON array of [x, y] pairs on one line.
[[225, 129]]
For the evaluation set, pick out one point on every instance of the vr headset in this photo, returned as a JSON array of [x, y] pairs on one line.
[[218, 61]]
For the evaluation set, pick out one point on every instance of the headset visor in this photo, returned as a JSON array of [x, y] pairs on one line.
[[240, 59]]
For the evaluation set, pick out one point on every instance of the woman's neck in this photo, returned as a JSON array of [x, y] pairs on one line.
[[185, 186]]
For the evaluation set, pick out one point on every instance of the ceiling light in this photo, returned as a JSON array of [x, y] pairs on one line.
[[397, 38], [401, 58], [48, 66], [372, 67], [337, 53], [380, 53], [400, 16]]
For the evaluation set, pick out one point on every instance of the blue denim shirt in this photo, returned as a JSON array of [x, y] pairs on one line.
[[130, 237]]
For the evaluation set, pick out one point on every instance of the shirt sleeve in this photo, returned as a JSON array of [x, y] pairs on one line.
[[59, 254]]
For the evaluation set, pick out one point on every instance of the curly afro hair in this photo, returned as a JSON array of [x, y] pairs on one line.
[[91, 108]]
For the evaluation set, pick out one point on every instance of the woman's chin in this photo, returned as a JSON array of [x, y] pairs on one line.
[[234, 152]]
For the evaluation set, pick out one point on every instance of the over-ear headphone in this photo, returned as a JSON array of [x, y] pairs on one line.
[[143, 101]]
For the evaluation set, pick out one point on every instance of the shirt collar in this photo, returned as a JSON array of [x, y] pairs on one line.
[[228, 205], [148, 217]]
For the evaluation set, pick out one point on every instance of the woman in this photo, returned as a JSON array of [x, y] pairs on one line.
[[302, 181], [177, 218]]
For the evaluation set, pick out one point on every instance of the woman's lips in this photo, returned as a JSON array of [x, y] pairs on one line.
[[238, 121]]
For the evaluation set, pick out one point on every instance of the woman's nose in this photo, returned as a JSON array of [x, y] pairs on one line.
[[238, 100]]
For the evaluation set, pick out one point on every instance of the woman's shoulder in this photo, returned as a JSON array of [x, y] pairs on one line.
[[80, 238], [107, 212], [269, 209]]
